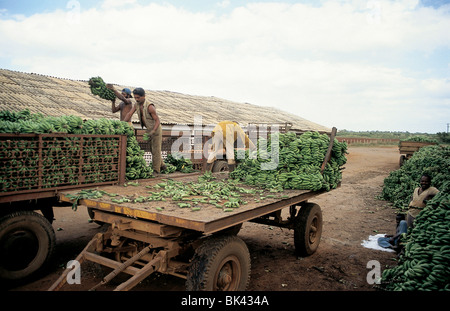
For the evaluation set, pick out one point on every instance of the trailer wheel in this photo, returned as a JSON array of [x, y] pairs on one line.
[[27, 241], [221, 263], [308, 229]]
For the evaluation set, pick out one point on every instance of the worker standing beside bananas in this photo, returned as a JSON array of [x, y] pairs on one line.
[[224, 135], [125, 106], [149, 118]]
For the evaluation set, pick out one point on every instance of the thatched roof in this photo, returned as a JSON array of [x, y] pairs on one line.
[[56, 97]]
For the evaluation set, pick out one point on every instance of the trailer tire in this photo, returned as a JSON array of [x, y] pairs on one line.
[[220, 263], [27, 242], [308, 229]]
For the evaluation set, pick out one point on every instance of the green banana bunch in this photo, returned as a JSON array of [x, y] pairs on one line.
[[98, 87], [60, 156], [179, 162], [425, 264], [13, 116], [206, 191], [300, 160]]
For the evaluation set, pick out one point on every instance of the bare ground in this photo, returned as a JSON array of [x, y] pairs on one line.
[[351, 213]]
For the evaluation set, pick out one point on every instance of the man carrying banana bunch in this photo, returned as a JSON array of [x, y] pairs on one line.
[[150, 120], [125, 106]]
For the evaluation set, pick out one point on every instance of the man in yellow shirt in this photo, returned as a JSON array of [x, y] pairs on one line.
[[420, 197], [224, 135]]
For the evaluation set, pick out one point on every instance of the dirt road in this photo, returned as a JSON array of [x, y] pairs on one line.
[[351, 213]]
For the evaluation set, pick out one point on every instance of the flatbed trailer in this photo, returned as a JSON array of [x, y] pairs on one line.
[[200, 246], [407, 149]]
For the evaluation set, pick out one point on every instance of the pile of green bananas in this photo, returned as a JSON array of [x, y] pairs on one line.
[[176, 164], [425, 264], [137, 167], [421, 139], [179, 163], [400, 184], [223, 194], [98, 87], [12, 116], [19, 157], [297, 165]]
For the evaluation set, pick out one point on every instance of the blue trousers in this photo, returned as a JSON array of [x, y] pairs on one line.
[[402, 228]]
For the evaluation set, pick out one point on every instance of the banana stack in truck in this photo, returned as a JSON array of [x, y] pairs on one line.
[[39, 158]]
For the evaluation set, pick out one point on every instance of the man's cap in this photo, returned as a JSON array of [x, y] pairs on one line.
[[127, 91], [139, 91]]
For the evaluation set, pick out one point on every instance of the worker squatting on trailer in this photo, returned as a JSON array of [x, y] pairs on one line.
[[224, 135]]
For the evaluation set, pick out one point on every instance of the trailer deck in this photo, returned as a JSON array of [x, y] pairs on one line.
[[207, 219]]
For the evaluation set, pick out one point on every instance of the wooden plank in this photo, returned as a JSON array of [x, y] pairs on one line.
[[415, 144], [129, 223], [109, 263], [409, 149], [143, 273], [330, 148]]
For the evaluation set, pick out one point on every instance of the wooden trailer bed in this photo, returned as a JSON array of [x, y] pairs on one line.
[[207, 219]]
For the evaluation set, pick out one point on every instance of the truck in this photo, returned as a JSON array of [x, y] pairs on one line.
[[34, 169]]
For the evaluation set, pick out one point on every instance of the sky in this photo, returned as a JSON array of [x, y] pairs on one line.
[[359, 65]]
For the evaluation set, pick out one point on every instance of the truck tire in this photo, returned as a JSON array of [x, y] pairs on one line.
[[308, 229], [220, 263], [220, 166], [27, 241]]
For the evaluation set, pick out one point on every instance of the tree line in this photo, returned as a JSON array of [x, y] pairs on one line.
[[441, 137]]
